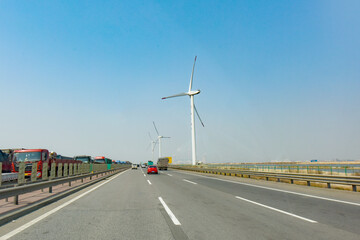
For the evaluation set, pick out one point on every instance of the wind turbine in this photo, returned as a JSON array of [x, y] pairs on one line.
[[153, 144], [191, 94], [159, 139]]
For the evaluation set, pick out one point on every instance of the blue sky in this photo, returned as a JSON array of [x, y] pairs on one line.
[[279, 80]]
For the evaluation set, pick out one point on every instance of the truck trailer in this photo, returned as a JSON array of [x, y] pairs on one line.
[[163, 163]]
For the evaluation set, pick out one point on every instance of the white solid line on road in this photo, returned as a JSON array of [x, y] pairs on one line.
[[144, 175], [278, 210], [29, 224], [275, 189], [189, 181], [169, 175], [169, 212], [149, 182]]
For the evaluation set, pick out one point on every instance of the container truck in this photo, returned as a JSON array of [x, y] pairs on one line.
[[38, 156], [163, 163]]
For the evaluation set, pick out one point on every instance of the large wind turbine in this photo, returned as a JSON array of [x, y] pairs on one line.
[[191, 94], [159, 139]]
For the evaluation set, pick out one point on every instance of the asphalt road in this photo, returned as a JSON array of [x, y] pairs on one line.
[[182, 205]]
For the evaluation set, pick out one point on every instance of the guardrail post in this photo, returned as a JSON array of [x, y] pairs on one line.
[[52, 171], [328, 185], [50, 189], [66, 169], [292, 181], [308, 183], [21, 174], [71, 168], [354, 188], [33, 172], [278, 180], [44, 173], [16, 200], [267, 178], [60, 170], [69, 183]]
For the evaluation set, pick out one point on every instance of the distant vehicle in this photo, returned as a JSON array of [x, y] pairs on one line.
[[102, 159], [152, 169], [134, 166], [163, 163], [84, 159], [143, 165], [6, 163], [39, 156]]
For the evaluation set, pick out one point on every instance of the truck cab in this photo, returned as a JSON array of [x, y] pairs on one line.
[[29, 156]]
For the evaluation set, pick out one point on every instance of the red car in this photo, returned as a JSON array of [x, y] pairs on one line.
[[152, 169]]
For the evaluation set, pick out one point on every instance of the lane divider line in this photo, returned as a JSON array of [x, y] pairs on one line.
[[144, 175], [169, 175], [189, 181], [29, 224], [169, 212], [275, 189], [149, 182], [278, 210]]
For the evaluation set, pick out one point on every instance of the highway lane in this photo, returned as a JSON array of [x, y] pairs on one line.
[[124, 208], [208, 211], [338, 215], [135, 205]]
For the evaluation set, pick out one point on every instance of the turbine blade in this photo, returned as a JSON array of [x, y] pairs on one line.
[[155, 145], [192, 75], [148, 146], [156, 129], [150, 136], [176, 95], [198, 116]]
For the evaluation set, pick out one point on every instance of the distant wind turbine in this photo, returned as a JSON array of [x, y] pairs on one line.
[[159, 139], [153, 144], [191, 94]]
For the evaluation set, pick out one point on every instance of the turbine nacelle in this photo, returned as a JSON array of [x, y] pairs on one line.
[[192, 93]]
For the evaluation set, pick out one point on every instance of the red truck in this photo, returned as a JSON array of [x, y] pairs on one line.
[[39, 156]]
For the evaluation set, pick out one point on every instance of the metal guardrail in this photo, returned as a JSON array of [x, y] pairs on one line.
[[353, 181], [26, 188]]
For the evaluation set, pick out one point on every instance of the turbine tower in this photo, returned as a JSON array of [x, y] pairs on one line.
[[191, 94], [159, 139]]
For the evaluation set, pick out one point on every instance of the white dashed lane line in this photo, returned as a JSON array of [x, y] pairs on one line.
[[277, 210], [189, 181]]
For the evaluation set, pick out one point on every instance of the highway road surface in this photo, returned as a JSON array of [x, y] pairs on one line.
[[184, 205]]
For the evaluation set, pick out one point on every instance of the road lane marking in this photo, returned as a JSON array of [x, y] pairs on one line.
[[169, 212], [189, 181], [275, 189], [149, 182], [278, 210], [29, 224], [169, 175], [144, 175]]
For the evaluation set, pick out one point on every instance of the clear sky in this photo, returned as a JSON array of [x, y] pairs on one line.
[[279, 80]]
